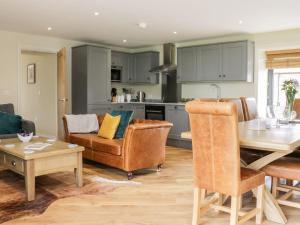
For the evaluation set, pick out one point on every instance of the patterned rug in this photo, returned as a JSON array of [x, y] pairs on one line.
[[49, 188]]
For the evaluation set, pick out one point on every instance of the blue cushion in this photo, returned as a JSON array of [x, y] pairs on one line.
[[10, 124], [126, 117]]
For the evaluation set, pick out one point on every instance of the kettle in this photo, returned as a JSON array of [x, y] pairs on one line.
[[141, 96]]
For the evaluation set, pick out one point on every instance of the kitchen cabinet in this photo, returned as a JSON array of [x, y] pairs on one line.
[[142, 63], [99, 109], [186, 65], [177, 115], [90, 77], [116, 58], [233, 61], [139, 111], [122, 107]]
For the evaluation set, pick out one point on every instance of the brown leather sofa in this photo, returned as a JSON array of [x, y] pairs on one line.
[[143, 145]]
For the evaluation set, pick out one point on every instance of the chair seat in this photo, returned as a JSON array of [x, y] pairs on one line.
[[287, 167], [113, 147], [251, 179], [84, 140]]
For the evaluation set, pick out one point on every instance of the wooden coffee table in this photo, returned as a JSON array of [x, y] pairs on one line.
[[55, 158]]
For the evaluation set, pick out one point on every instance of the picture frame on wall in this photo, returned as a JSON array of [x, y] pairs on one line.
[[31, 79]]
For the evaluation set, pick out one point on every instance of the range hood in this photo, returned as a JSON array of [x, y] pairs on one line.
[[169, 65]]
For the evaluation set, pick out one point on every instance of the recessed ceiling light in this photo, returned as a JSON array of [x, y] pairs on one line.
[[174, 32], [240, 22], [96, 13], [142, 25], [49, 28], [124, 41]]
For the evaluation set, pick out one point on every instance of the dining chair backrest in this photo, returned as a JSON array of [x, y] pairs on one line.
[[207, 99], [249, 108], [297, 107], [239, 107], [216, 150]]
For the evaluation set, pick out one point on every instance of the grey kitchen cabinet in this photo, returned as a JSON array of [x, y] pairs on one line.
[[99, 109], [177, 115], [186, 64], [139, 111], [209, 62], [142, 63], [116, 58], [122, 107], [123, 60], [90, 77], [233, 61]]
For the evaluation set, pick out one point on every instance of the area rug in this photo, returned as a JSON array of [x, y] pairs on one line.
[[49, 188]]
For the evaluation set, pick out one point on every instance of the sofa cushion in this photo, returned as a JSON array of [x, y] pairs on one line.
[[113, 147], [10, 124], [126, 117], [84, 140], [109, 126]]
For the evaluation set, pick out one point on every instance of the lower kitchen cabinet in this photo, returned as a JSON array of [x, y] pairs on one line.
[[177, 115], [122, 107], [99, 109]]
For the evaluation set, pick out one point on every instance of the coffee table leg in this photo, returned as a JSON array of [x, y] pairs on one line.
[[78, 170], [30, 180]]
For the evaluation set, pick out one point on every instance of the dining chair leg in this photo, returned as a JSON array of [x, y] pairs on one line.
[[259, 204], [234, 210], [274, 186], [240, 202], [199, 196]]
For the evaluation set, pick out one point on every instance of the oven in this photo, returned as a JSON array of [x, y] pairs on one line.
[[155, 112], [116, 73]]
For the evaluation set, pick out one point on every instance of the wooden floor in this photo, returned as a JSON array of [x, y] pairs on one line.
[[163, 198]]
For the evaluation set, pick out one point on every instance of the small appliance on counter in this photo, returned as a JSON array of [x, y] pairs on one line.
[[141, 96], [114, 94]]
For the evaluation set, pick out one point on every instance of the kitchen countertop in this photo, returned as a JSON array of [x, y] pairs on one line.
[[151, 103]]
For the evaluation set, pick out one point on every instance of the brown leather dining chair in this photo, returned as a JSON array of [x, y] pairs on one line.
[[297, 107], [249, 108], [239, 107], [216, 158]]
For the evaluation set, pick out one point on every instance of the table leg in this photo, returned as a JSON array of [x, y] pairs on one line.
[[78, 170], [30, 180], [272, 210]]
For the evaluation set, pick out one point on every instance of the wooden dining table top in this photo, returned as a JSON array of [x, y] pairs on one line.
[[283, 138]]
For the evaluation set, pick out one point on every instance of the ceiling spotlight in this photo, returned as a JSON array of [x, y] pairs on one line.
[[142, 25], [175, 32], [240, 22], [96, 13], [49, 28], [124, 41]]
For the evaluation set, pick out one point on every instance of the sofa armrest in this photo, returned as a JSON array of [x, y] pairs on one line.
[[144, 144], [28, 126]]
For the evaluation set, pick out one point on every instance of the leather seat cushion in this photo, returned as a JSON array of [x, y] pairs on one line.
[[113, 146], [251, 179], [287, 167], [84, 140]]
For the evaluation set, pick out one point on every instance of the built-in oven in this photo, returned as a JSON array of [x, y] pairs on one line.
[[155, 112], [116, 73]]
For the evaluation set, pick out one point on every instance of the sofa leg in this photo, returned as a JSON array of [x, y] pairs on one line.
[[159, 168], [130, 175]]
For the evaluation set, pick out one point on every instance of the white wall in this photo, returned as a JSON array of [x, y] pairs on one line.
[[38, 102]]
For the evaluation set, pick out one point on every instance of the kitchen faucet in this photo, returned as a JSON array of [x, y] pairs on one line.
[[218, 90]]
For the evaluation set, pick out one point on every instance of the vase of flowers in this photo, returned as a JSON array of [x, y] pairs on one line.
[[290, 88]]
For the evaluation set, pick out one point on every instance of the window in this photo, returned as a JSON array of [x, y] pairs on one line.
[[276, 78]]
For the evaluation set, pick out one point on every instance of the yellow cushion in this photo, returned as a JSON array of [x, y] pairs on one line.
[[109, 126]]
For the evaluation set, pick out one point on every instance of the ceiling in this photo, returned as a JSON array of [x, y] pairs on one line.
[[118, 19]]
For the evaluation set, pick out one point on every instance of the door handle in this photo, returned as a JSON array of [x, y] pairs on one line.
[[63, 99]]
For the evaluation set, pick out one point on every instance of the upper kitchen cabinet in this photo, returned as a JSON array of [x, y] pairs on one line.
[[187, 64], [142, 63], [232, 61], [124, 61], [90, 77]]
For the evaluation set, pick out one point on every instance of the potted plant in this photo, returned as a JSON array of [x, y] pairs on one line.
[[290, 88]]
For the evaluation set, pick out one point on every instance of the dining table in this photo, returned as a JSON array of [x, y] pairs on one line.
[[278, 141]]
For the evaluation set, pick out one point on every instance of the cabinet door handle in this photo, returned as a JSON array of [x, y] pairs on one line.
[[224, 75], [13, 163], [220, 75], [175, 107]]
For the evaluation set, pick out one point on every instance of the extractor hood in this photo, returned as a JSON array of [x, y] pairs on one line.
[[169, 65]]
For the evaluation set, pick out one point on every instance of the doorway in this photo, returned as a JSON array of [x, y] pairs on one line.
[[42, 90]]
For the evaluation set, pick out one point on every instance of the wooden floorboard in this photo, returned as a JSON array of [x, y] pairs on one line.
[[163, 198]]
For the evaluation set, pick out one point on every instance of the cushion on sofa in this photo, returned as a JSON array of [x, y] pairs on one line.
[[84, 140], [113, 147], [10, 124], [109, 126], [126, 117]]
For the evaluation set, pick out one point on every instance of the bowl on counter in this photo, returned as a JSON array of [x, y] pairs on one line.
[[25, 137]]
